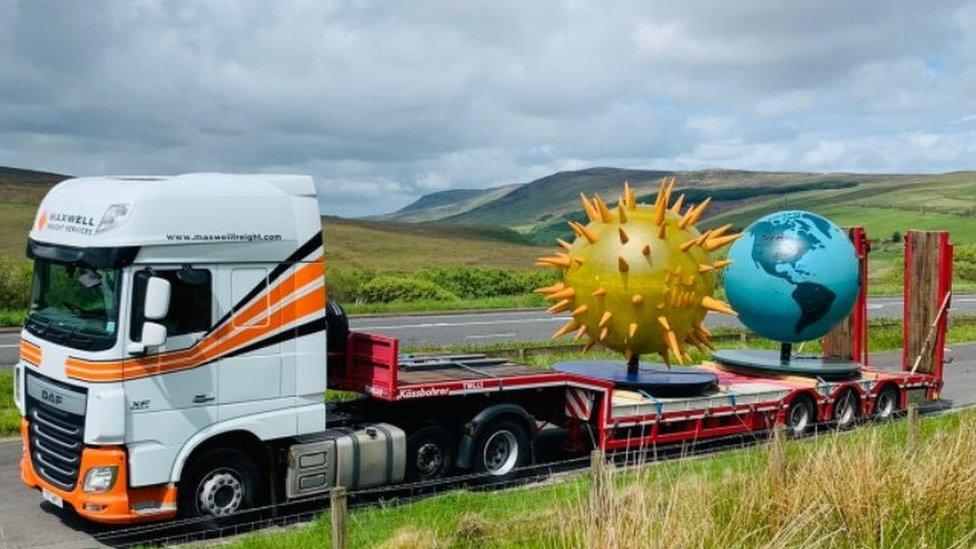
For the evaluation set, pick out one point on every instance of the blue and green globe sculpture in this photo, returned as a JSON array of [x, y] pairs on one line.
[[794, 276]]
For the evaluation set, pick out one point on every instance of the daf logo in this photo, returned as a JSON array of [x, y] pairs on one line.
[[51, 397]]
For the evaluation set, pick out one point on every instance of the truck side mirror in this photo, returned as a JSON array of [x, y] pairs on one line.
[[156, 303], [153, 334]]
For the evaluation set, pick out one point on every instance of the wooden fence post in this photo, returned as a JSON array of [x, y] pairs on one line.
[[599, 497], [911, 433], [777, 456], [339, 512]]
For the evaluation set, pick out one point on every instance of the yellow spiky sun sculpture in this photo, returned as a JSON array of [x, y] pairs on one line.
[[639, 278]]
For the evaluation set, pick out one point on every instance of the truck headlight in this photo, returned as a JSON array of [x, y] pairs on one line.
[[100, 479]]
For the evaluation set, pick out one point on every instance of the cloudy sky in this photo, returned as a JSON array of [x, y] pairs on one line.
[[385, 101]]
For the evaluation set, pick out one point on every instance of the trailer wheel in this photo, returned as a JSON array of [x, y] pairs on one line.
[[846, 409], [799, 416], [886, 403], [501, 448], [430, 453], [219, 483]]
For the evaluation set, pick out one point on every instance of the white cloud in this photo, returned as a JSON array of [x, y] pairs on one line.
[[383, 102], [825, 154]]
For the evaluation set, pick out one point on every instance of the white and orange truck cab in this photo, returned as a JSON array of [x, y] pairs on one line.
[[170, 317]]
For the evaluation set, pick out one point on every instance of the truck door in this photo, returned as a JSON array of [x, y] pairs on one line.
[[171, 391], [250, 382]]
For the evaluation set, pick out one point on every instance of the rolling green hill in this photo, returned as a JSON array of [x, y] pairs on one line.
[[883, 203], [444, 204]]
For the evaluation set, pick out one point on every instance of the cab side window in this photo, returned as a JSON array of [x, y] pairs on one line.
[[190, 304]]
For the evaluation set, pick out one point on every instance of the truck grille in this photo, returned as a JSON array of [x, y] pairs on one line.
[[56, 437]]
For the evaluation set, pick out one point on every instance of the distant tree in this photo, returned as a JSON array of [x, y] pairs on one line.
[[896, 237]]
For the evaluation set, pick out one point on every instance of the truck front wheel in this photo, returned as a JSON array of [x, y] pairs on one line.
[[219, 483], [501, 448]]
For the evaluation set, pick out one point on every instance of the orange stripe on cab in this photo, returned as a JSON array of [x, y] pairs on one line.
[[233, 334], [30, 353]]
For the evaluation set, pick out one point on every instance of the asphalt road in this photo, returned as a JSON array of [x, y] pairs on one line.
[[27, 521]]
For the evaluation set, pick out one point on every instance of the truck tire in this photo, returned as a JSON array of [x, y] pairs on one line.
[[846, 410], [219, 483], [886, 403], [799, 416], [430, 454], [502, 447]]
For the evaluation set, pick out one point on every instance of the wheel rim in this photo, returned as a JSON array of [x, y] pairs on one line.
[[799, 417], [220, 493], [501, 452], [846, 409], [885, 405], [430, 459]]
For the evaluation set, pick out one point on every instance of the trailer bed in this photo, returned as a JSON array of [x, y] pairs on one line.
[[743, 402], [419, 369]]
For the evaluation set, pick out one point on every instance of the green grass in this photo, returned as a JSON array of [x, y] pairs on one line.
[[11, 318], [714, 489], [882, 222], [403, 247], [9, 416], [15, 223]]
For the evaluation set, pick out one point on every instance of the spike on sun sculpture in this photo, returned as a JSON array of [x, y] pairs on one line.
[[639, 278]]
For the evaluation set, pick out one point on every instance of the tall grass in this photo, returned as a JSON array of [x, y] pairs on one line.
[[850, 491]]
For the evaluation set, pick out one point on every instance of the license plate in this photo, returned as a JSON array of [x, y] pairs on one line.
[[53, 498]]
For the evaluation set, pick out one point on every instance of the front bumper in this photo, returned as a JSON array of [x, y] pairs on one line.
[[119, 505]]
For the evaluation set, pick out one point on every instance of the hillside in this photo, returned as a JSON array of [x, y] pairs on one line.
[[392, 246], [20, 193], [443, 204], [539, 209]]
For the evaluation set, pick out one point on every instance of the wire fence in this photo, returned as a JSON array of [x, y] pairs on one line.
[[304, 510]]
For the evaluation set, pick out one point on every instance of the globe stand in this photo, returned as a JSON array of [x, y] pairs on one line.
[[656, 379], [633, 364], [785, 352], [783, 362]]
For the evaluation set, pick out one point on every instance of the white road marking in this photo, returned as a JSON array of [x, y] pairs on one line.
[[525, 312], [454, 324]]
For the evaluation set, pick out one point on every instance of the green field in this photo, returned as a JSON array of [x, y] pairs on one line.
[[389, 246], [9, 416], [872, 489]]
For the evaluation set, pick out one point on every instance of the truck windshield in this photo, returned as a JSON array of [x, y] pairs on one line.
[[74, 305]]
